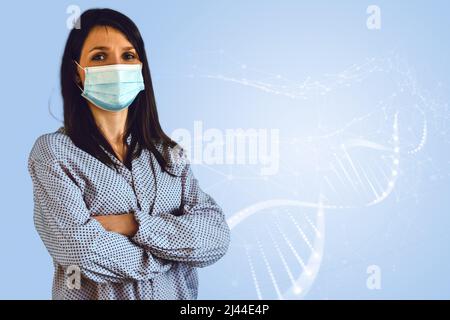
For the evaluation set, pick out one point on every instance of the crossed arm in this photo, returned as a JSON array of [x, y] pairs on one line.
[[198, 236], [134, 246]]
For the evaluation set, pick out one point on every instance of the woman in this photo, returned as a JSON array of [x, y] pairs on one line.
[[115, 197]]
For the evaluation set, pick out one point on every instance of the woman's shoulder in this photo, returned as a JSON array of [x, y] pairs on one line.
[[51, 146]]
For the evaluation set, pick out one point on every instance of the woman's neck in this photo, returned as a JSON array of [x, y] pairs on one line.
[[111, 124]]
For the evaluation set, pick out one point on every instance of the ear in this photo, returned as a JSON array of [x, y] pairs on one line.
[[77, 76], [78, 79]]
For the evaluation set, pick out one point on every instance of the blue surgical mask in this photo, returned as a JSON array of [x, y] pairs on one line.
[[112, 87]]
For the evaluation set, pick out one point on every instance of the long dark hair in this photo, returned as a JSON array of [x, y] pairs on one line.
[[142, 120]]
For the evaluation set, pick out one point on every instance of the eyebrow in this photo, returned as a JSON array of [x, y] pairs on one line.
[[107, 48]]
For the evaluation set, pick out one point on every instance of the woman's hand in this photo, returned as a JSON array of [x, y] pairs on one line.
[[124, 224]]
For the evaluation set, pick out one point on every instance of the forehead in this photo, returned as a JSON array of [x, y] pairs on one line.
[[105, 36]]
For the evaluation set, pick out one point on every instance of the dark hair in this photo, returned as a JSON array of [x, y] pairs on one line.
[[142, 120]]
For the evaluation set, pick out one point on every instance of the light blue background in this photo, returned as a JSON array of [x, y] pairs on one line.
[[406, 235]]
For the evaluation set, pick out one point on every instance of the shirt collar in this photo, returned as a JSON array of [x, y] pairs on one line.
[[63, 130], [117, 161]]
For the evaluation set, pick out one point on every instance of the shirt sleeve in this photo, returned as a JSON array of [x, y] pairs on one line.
[[199, 235], [73, 238]]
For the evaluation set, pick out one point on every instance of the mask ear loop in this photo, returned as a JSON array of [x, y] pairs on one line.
[[82, 90]]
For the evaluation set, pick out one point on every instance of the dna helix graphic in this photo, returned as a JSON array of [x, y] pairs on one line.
[[280, 242]]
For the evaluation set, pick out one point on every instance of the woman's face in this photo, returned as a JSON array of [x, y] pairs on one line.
[[103, 46]]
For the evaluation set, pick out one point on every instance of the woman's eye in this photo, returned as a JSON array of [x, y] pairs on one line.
[[128, 56], [98, 57]]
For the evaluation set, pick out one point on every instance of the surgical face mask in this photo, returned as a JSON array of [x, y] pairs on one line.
[[112, 87]]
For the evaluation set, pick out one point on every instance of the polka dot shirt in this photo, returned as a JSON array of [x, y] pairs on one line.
[[181, 228]]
